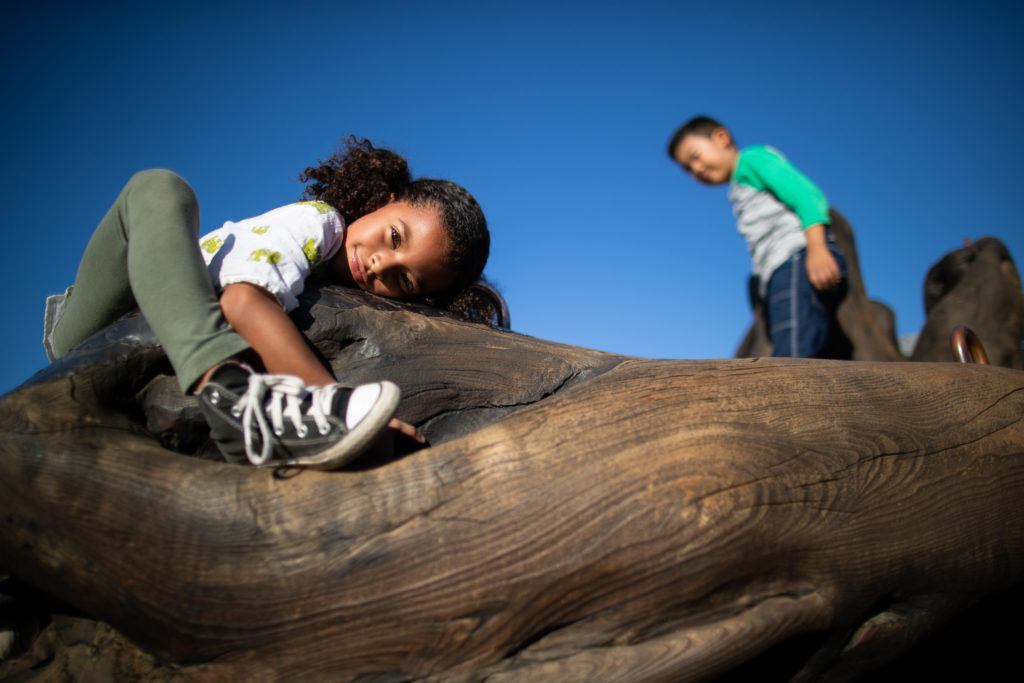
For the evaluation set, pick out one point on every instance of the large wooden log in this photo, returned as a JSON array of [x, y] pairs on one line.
[[581, 516]]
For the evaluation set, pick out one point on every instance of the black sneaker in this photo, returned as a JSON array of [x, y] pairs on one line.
[[273, 420]]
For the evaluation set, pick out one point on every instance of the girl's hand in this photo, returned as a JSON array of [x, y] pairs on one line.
[[400, 440], [407, 430]]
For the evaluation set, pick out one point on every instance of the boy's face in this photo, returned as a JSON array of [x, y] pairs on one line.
[[396, 251], [710, 159]]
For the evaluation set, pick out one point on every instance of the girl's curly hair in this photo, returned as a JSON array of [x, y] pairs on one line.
[[358, 179], [481, 302], [361, 178]]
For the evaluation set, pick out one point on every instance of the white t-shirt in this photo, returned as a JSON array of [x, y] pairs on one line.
[[277, 250]]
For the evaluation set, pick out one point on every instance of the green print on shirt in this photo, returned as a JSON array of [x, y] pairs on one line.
[[311, 251], [211, 245], [260, 229], [321, 207], [271, 257]]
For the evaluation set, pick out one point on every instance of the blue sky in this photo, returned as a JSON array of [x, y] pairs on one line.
[[555, 115]]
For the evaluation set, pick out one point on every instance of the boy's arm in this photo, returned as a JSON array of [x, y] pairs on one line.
[[822, 269], [807, 201]]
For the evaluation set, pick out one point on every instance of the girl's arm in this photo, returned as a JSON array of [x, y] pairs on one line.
[[257, 316]]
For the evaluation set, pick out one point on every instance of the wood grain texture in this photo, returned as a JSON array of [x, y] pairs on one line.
[[580, 516]]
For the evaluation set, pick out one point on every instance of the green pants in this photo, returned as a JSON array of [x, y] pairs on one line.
[[145, 253]]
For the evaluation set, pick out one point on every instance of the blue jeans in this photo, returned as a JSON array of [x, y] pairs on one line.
[[798, 316]]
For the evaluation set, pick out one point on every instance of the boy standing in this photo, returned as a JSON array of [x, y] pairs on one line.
[[783, 216]]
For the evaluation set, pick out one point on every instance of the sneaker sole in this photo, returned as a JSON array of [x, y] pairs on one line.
[[353, 444]]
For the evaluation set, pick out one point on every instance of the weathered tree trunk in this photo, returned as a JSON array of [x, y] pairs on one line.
[[580, 516], [977, 286]]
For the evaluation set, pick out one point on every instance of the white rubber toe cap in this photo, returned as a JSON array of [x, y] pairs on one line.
[[361, 402]]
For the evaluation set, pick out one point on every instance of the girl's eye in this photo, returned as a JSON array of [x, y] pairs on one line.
[[396, 239]]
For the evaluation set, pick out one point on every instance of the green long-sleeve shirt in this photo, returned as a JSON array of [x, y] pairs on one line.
[[773, 203]]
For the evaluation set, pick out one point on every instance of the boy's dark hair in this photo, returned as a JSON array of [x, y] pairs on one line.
[[698, 125], [360, 178]]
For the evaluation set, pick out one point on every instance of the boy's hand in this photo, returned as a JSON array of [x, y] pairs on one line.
[[822, 269]]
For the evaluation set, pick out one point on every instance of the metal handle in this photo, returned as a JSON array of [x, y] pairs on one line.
[[967, 348]]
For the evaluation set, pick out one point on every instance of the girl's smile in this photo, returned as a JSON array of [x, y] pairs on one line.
[[358, 272]]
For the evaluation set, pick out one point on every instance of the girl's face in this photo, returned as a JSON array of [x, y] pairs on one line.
[[397, 251]]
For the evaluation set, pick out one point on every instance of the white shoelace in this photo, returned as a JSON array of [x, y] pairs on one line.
[[285, 401]]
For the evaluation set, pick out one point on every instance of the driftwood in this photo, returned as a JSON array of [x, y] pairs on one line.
[[580, 516], [977, 286]]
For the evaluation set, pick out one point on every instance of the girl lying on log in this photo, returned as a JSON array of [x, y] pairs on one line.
[[214, 301]]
